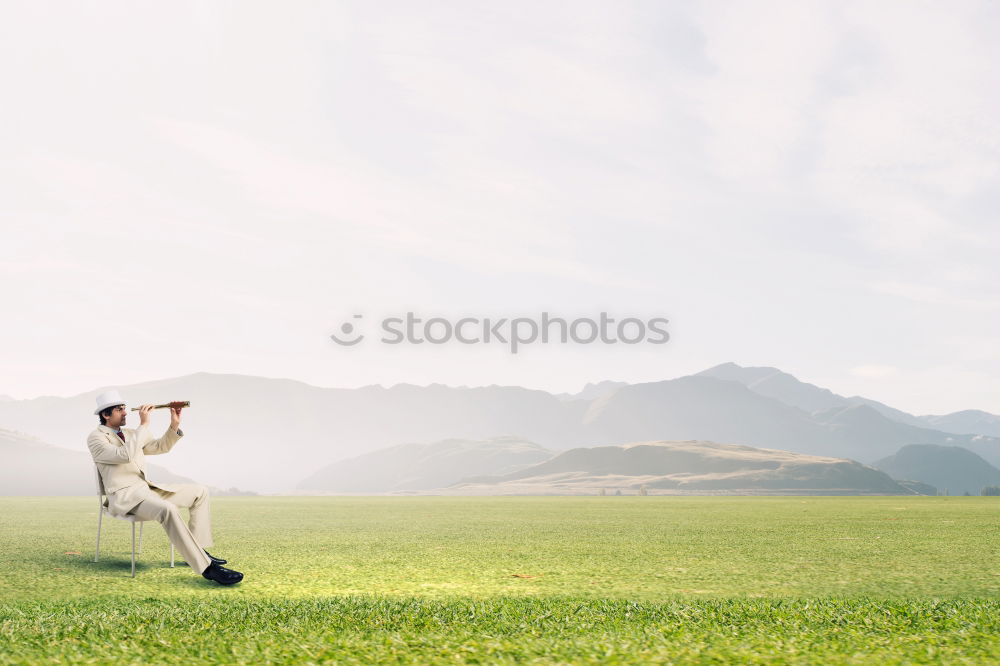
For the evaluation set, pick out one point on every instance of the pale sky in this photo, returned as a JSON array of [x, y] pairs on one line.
[[199, 186]]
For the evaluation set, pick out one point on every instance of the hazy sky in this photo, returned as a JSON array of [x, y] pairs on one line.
[[218, 186]]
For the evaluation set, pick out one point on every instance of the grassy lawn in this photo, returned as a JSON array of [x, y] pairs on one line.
[[515, 579]]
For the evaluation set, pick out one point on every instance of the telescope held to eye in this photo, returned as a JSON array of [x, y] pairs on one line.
[[173, 405]]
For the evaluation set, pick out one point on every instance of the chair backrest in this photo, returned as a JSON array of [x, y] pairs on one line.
[[100, 482], [101, 492]]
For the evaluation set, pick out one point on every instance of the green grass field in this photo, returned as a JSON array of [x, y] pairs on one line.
[[515, 579]]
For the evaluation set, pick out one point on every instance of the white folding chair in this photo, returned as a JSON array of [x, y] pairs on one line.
[[103, 509]]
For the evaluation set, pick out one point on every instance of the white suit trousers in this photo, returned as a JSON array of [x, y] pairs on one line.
[[165, 507]]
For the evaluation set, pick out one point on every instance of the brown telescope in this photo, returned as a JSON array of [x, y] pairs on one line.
[[174, 404]]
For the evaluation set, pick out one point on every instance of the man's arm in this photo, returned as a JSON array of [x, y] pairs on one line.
[[104, 451], [155, 447]]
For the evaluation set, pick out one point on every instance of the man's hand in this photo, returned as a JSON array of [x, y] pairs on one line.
[[144, 414], [175, 417]]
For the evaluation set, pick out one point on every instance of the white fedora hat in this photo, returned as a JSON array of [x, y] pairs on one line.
[[108, 399]]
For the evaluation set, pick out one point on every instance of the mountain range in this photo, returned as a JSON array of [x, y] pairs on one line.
[[269, 435], [784, 387]]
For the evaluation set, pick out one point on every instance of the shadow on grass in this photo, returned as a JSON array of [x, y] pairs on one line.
[[115, 565], [109, 563]]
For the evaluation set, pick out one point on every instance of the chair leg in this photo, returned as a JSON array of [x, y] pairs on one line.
[[140, 535], [171, 554], [133, 550], [97, 550]]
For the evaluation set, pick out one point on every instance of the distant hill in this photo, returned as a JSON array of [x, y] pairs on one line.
[[592, 390], [969, 421], [696, 407], [774, 383], [686, 467], [422, 466], [918, 487], [32, 467], [946, 467], [703, 407], [782, 386]]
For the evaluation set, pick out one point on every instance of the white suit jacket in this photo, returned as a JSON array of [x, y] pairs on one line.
[[122, 465]]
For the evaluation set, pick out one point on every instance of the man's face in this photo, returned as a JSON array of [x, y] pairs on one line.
[[117, 418]]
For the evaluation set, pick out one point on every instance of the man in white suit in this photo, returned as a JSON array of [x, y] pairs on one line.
[[120, 455]]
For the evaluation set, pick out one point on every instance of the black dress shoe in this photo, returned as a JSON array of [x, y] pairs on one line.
[[222, 575], [217, 560]]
